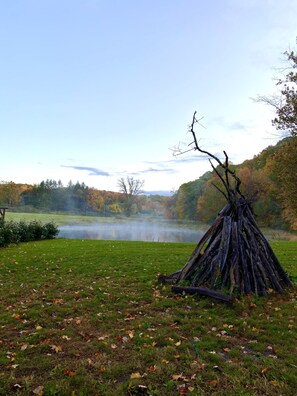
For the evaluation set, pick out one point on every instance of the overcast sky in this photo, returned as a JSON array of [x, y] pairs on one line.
[[95, 90]]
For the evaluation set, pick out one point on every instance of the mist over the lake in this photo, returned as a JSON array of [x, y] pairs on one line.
[[132, 231]]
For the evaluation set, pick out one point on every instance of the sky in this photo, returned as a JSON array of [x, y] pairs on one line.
[[95, 90]]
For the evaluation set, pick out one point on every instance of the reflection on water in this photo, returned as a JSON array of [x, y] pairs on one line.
[[132, 231]]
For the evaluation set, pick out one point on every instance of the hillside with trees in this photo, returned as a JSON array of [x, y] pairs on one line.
[[269, 181]]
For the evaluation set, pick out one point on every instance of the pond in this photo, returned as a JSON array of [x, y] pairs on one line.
[[132, 231]]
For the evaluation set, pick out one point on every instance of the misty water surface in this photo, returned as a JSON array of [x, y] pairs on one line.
[[132, 231]]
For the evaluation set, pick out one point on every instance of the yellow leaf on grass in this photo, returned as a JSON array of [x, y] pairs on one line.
[[135, 375], [274, 383], [56, 348], [65, 337], [38, 327], [131, 333], [178, 343], [176, 377]]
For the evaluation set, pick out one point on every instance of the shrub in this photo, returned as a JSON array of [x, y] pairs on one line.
[[13, 232]]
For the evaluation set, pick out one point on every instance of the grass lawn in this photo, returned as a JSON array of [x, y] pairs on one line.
[[58, 219], [88, 318]]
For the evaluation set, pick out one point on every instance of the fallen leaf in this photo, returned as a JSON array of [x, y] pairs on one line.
[[131, 333], [182, 390], [264, 371], [24, 347], [38, 391], [213, 383], [151, 369], [135, 375], [38, 327], [65, 337], [178, 343], [176, 377], [56, 348], [58, 301], [274, 383], [70, 373]]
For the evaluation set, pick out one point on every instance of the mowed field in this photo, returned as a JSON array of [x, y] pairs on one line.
[[83, 317]]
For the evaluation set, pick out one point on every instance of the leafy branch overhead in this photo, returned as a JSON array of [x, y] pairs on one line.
[[285, 103]]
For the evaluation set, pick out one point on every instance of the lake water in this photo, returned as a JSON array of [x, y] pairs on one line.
[[132, 231]]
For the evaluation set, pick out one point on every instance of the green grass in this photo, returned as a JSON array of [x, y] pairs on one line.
[[58, 219], [88, 318]]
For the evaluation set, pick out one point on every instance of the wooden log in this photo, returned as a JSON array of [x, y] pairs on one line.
[[168, 278], [202, 291], [192, 260]]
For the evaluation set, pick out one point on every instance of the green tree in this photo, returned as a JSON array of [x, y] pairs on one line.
[[211, 201], [187, 196], [286, 118], [283, 169]]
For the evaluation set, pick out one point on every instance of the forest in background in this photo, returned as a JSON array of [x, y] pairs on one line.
[[269, 181]]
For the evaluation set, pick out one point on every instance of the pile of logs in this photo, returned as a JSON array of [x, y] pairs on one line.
[[233, 256]]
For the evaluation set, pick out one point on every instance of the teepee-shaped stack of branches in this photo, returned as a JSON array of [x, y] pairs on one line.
[[233, 255]]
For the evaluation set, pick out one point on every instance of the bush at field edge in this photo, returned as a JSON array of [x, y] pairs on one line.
[[16, 232]]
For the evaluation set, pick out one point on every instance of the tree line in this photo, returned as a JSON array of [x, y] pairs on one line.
[[52, 196], [269, 181]]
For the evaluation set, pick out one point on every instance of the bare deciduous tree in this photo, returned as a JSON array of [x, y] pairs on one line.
[[130, 187]]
